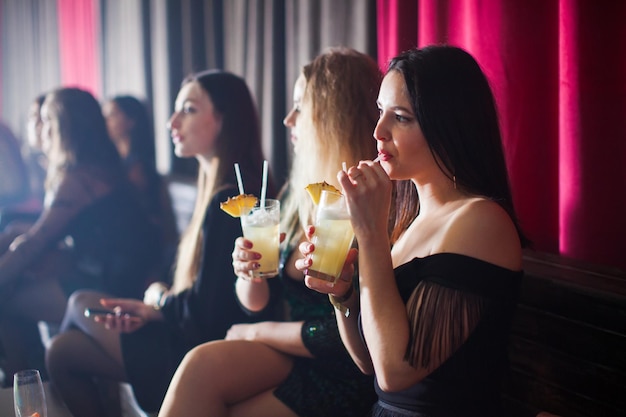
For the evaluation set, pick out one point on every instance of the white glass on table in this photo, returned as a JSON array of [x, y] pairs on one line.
[[28, 394], [261, 227], [333, 236]]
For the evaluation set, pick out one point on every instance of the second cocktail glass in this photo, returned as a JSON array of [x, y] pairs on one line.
[[261, 227], [333, 236]]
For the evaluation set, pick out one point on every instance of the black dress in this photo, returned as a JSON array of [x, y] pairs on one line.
[[103, 243], [468, 382], [195, 316], [329, 385], [113, 246]]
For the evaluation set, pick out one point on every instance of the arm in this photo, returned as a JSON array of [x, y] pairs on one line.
[[70, 198], [383, 313], [207, 310]]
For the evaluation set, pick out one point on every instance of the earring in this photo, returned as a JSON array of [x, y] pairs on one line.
[[454, 180]]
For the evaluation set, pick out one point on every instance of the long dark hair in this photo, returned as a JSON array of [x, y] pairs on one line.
[[82, 139], [141, 133], [239, 140], [454, 105]]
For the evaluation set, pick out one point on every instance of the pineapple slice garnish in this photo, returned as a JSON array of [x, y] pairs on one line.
[[239, 205], [315, 190]]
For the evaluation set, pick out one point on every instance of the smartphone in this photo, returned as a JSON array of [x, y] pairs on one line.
[[93, 312]]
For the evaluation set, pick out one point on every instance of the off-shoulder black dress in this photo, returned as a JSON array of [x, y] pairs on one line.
[[446, 295]]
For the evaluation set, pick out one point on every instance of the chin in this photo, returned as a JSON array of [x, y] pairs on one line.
[[179, 151]]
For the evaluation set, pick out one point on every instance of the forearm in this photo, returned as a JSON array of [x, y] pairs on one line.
[[351, 336], [253, 295], [383, 313], [22, 253]]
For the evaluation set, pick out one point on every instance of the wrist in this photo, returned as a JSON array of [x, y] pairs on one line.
[[346, 296], [339, 301]]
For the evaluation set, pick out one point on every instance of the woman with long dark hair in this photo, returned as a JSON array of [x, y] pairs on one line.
[[214, 121]]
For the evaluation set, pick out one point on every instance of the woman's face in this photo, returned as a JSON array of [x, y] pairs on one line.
[[47, 129], [118, 125], [33, 127], [402, 148], [195, 123], [295, 118]]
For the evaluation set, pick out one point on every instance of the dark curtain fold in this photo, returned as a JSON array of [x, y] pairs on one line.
[[560, 83]]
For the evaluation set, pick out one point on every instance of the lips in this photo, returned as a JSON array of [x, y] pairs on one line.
[[384, 156]]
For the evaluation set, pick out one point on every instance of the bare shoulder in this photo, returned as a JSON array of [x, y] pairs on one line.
[[482, 229]]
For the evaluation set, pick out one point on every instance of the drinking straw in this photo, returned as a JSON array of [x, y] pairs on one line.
[[239, 182], [264, 185], [344, 166]]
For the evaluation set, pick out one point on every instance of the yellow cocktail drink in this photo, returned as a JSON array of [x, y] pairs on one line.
[[333, 237], [261, 226]]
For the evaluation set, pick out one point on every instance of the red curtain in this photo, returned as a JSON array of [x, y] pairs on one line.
[[558, 71], [78, 44]]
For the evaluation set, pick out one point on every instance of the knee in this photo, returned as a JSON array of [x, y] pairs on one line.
[[55, 353], [81, 299], [202, 358], [61, 351]]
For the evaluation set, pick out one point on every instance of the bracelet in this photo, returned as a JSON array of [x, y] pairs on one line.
[[337, 302], [160, 301]]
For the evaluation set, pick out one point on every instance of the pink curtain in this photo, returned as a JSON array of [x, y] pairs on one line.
[[558, 71], [79, 42]]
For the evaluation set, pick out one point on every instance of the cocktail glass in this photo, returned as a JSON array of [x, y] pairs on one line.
[[261, 227], [333, 236]]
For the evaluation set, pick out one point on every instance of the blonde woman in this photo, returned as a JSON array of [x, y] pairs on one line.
[[214, 121], [297, 366]]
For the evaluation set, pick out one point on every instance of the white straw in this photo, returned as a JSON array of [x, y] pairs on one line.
[[264, 185], [377, 159], [344, 166], [239, 182]]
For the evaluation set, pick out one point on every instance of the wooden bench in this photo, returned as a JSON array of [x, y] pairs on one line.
[[568, 342]]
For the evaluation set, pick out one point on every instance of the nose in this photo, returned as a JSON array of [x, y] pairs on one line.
[[290, 119], [170, 123], [380, 132]]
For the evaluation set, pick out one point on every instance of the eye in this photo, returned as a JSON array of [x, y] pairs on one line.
[[402, 119], [188, 109]]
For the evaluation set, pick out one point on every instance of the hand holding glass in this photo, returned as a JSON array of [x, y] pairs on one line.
[[261, 227], [333, 237], [28, 394]]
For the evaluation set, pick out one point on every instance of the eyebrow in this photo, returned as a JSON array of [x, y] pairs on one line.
[[396, 107]]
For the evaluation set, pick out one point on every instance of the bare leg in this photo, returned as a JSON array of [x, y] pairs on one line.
[[228, 378], [83, 351]]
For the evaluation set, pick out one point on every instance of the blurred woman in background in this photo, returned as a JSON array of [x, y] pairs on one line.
[[130, 129], [92, 232]]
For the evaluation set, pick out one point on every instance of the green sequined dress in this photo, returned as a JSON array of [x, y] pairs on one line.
[[330, 384]]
